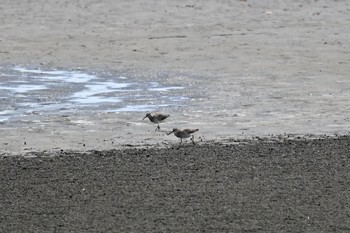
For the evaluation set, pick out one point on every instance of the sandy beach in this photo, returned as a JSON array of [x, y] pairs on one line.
[[266, 82]]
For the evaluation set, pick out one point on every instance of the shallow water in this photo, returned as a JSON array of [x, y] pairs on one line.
[[235, 106], [26, 91]]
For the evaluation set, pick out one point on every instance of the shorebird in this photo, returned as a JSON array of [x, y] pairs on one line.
[[156, 118], [185, 133]]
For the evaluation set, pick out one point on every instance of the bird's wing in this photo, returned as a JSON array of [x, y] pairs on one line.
[[162, 117], [189, 131]]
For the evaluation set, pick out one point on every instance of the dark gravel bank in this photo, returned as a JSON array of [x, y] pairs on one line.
[[258, 186]]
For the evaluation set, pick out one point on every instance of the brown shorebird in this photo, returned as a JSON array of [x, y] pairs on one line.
[[156, 118], [185, 133]]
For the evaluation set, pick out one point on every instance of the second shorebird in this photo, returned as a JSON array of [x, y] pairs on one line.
[[185, 133], [156, 118]]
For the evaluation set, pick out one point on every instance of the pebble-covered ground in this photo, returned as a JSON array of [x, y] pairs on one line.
[[253, 186]]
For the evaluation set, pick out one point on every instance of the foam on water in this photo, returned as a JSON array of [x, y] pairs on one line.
[[90, 94], [165, 88], [25, 91], [58, 75], [22, 88], [136, 108]]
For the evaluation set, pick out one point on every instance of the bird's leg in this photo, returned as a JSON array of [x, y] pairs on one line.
[[180, 141], [158, 128], [192, 139]]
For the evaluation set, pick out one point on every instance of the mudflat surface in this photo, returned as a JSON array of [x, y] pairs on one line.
[[264, 69], [247, 68], [253, 186]]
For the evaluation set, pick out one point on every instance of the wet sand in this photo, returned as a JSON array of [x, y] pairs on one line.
[[253, 186], [252, 69], [249, 68]]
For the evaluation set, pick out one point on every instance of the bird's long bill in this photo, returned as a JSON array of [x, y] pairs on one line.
[[170, 132], [144, 117]]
